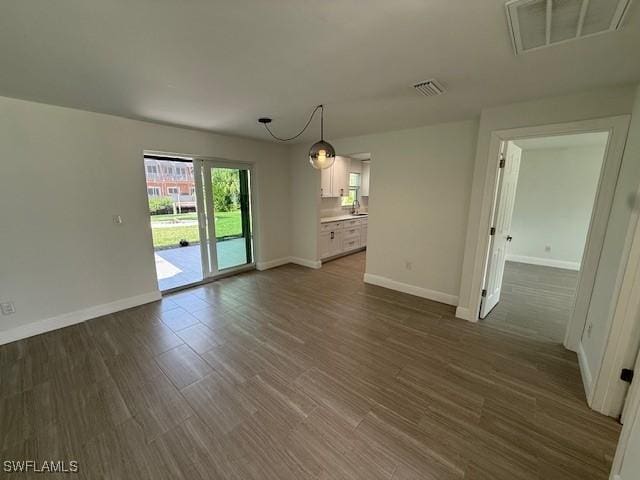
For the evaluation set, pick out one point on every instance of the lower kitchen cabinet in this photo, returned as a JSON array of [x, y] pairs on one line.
[[341, 237]]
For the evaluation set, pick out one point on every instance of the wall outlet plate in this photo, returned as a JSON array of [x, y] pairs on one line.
[[7, 308]]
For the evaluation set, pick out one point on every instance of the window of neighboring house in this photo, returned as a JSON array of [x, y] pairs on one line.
[[354, 186], [153, 191], [168, 170], [152, 169], [181, 172], [173, 190], [193, 190]]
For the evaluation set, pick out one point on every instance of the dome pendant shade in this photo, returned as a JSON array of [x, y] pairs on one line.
[[322, 155]]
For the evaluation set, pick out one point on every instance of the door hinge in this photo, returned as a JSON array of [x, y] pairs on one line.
[[484, 292], [492, 231], [626, 375], [502, 162]]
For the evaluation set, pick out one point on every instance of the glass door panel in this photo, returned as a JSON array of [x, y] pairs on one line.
[[231, 192], [174, 218]]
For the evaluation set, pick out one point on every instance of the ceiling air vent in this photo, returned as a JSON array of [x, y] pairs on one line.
[[429, 88], [541, 23]]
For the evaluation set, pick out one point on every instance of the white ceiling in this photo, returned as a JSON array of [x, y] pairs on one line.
[[564, 141], [219, 65]]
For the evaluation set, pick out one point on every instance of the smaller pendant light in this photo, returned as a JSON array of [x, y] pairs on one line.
[[322, 154]]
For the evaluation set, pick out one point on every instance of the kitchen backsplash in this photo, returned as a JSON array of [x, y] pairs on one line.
[[330, 207]]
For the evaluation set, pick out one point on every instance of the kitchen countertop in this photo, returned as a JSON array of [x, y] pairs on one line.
[[341, 217]]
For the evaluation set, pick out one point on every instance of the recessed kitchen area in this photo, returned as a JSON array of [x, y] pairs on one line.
[[344, 206]]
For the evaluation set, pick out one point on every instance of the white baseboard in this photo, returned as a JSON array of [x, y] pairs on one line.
[[545, 262], [305, 262], [273, 263], [71, 318], [465, 314], [411, 289], [585, 372]]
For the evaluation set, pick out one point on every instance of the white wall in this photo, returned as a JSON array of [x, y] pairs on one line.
[[66, 172], [420, 181], [554, 199], [568, 108]]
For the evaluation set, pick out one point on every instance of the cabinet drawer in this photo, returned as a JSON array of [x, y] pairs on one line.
[[352, 222], [364, 220], [349, 233], [330, 227], [351, 244]]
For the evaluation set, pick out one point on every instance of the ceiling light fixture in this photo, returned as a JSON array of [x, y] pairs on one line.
[[322, 154]]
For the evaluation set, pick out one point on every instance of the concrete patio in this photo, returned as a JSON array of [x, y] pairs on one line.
[[180, 266]]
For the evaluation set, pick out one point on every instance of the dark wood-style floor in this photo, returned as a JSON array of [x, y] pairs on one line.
[[535, 301], [295, 373]]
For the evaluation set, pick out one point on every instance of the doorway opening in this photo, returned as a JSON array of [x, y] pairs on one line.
[[541, 222], [344, 207], [201, 218]]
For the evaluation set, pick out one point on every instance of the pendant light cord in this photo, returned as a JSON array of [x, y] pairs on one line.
[[319, 107]]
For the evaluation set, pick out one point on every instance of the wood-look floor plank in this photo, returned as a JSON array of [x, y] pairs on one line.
[[294, 373]]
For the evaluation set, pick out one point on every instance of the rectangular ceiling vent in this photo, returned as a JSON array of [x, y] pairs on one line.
[[538, 24], [429, 88]]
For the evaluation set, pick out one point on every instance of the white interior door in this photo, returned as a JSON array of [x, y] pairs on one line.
[[501, 230]]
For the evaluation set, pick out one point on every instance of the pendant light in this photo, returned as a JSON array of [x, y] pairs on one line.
[[322, 154]]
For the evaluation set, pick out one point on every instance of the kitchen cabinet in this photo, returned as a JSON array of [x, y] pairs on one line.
[[364, 179], [343, 236], [335, 180]]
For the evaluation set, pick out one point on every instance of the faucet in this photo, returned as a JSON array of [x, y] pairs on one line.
[[355, 206]]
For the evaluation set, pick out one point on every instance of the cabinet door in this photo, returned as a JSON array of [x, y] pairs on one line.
[[325, 245], [335, 243], [325, 182], [364, 179], [340, 180]]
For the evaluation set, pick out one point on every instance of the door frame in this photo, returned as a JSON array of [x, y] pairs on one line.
[[631, 425], [617, 127], [254, 188]]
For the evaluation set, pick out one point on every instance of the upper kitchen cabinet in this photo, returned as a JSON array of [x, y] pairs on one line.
[[335, 180], [364, 179]]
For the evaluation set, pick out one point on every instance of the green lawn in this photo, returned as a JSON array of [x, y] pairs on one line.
[[227, 224]]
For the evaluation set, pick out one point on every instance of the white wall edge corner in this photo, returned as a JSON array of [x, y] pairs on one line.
[[465, 314], [272, 263], [66, 319], [306, 262], [585, 372], [411, 289]]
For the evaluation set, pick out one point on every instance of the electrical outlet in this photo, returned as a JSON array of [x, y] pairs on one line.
[[408, 265], [7, 308], [547, 248], [117, 219]]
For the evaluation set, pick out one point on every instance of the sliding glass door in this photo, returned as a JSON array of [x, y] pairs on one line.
[[226, 219], [201, 218]]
